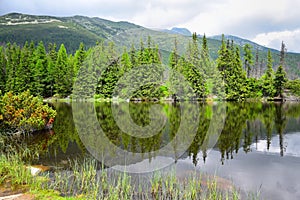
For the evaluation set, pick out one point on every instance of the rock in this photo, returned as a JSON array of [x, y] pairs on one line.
[[36, 169], [18, 197]]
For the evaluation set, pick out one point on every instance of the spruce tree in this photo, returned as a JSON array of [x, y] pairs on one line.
[[80, 56], [2, 70], [23, 73], [173, 59], [38, 86], [235, 78], [13, 62], [280, 80], [61, 81], [256, 70], [193, 52], [125, 62], [133, 56], [204, 45], [141, 58], [110, 73], [40, 62], [282, 54], [222, 59], [52, 58], [248, 59], [210, 72], [268, 78]]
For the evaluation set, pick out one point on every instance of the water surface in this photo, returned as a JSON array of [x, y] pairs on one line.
[[256, 145]]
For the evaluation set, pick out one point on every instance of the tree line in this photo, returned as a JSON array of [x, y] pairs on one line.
[[43, 73], [53, 72]]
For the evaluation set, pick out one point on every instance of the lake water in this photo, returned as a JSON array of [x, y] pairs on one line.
[[256, 145]]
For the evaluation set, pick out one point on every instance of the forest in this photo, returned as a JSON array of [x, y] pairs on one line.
[[51, 72]]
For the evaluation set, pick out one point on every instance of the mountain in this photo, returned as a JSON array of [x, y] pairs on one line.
[[180, 31], [71, 31], [18, 28]]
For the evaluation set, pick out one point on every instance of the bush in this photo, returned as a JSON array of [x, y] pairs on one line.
[[294, 86], [24, 112]]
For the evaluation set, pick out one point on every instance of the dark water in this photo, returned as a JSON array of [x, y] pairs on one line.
[[256, 145]]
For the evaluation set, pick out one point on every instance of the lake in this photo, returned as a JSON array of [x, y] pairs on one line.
[[256, 145]]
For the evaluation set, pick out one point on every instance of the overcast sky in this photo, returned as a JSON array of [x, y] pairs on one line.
[[266, 22]]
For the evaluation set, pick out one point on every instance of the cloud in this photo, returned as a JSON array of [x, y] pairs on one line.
[[71, 7], [274, 39], [246, 19]]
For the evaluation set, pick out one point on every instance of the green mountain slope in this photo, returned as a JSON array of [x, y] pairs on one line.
[[71, 31]]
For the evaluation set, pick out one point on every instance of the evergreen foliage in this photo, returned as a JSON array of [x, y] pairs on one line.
[[280, 81], [268, 78], [103, 71]]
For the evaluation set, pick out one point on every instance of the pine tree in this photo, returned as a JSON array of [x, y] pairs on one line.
[[210, 72], [13, 62], [125, 62], [52, 58], [141, 60], [148, 54], [23, 72], [279, 81], [87, 81], [236, 78], [230, 66], [174, 57], [282, 54], [193, 52], [280, 75], [61, 86], [222, 59], [133, 56], [38, 69], [80, 56], [108, 80], [256, 71], [2, 70], [156, 58], [110, 73], [192, 69], [268, 78], [248, 59], [204, 46], [38, 86]]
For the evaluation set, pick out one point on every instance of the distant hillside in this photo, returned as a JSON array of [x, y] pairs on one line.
[[71, 31], [180, 31], [16, 27]]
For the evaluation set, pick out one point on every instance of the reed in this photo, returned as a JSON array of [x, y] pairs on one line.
[[85, 179]]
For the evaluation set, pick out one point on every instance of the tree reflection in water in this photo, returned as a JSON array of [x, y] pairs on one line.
[[245, 124]]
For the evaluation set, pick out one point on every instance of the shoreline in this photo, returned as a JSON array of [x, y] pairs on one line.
[[170, 100]]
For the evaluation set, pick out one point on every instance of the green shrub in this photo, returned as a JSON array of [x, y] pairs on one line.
[[24, 112], [294, 86]]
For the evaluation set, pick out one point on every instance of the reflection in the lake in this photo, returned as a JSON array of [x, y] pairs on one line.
[[262, 126]]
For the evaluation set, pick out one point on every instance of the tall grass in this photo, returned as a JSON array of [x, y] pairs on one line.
[[84, 179], [13, 170], [88, 180]]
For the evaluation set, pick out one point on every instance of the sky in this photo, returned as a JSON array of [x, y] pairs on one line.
[[267, 22]]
